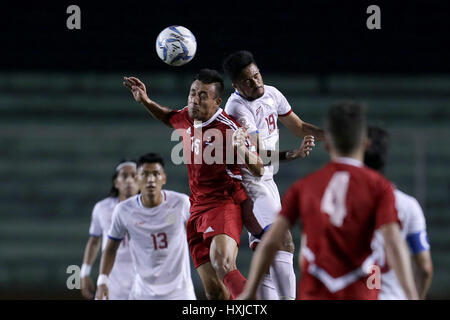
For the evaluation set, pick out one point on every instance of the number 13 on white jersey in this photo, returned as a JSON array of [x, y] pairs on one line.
[[334, 198]]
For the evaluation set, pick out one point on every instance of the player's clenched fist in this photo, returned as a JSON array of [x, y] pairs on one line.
[[307, 145], [87, 287], [137, 88], [102, 292], [239, 137]]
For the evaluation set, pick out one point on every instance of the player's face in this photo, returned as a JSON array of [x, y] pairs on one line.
[[126, 181], [250, 83], [202, 100], [151, 178]]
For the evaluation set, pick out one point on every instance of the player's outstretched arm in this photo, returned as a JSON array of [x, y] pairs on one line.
[[271, 156], [251, 159], [106, 265], [301, 128], [424, 272], [139, 91], [90, 254], [263, 257], [398, 256]]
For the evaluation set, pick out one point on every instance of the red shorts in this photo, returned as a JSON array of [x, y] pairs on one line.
[[223, 219]]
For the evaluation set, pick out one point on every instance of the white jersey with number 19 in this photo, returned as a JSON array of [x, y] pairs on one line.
[[260, 116]]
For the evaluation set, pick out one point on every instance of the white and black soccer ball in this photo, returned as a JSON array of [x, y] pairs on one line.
[[176, 45]]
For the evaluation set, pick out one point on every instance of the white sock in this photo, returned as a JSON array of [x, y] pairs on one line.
[[266, 289], [282, 272]]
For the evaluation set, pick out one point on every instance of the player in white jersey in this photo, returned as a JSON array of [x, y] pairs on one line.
[[257, 107], [413, 230], [122, 275], [155, 222]]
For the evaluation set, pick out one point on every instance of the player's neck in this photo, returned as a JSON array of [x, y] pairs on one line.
[[151, 200], [357, 155], [123, 197]]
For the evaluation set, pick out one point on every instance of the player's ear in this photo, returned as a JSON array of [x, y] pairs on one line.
[[327, 143], [367, 143], [164, 178], [218, 101]]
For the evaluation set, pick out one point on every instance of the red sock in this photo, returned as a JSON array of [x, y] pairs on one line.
[[235, 283]]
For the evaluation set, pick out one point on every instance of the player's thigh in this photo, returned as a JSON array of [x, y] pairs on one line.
[[214, 287], [266, 200]]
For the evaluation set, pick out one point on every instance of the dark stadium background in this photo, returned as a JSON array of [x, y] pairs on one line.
[[65, 119]]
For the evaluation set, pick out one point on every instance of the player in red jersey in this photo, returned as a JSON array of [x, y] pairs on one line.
[[340, 206], [215, 225]]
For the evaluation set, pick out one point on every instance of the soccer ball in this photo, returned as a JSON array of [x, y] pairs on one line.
[[176, 45]]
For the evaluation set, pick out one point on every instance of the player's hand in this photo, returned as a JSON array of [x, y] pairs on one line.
[[307, 145], [137, 88], [87, 288], [102, 292], [239, 137]]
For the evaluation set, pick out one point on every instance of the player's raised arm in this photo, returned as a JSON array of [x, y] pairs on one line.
[[301, 128], [139, 91], [269, 156], [398, 256], [106, 265]]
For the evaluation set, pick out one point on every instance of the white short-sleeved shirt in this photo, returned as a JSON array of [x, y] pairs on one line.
[[122, 274], [413, 228], [101, 222], [260, 116], [158, 242]]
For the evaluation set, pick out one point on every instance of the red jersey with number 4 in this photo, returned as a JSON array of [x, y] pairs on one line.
[[214, 175], [340, 206]]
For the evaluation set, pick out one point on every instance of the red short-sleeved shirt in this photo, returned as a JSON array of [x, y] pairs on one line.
[[340, 206], [212, 183]]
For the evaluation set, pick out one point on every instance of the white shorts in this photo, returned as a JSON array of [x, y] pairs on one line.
[[141, 292], [266, 202], [391, 288], [120, 280]]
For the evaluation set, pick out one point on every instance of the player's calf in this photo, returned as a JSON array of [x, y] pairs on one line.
[[214, 288]]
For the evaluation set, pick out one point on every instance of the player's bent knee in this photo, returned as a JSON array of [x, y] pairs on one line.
[[222, 254], [222, 264]]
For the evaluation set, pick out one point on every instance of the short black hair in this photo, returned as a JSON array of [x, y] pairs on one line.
[[114, 192], [208, 76], [236, 62], [346, 123], [376, 154], [150, 158]]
